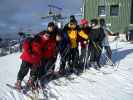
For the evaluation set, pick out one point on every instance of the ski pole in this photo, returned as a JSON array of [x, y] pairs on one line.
[[65, 53], [86, 56], [105, 55], [116, 49], [95, 45]]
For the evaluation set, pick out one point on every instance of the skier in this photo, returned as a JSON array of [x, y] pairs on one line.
[[96, 37], [21, 39], [84, 40], [49, 51], [72, 32], [31, 57], [63, 47], [105, 42], [72, 17]]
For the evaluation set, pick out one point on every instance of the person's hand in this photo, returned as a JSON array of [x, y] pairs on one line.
[[117, 34], [58, 38], [88, 41], [85, 42]]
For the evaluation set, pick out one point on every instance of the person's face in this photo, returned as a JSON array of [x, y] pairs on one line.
[[46, 36], [102, 23], [72, 25], [50, 28], [84, 26]]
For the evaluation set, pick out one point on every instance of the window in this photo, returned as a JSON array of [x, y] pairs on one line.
[[101, 11], [114, 10], [132, 13]]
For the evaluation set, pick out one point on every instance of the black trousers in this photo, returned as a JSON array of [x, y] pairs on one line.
[[24, 69], [46, 65], [83, 57], [95, 53], [73, 58], [64, 58]]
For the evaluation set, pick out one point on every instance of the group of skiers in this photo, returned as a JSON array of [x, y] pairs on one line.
[[40, 52]]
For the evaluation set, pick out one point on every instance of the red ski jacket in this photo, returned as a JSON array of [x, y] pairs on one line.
[[35, 56], [49, 48]]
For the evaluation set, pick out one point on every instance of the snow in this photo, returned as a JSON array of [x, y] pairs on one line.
[[91, 85]]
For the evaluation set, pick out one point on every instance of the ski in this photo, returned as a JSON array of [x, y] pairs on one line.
[[23, 91], [35, 92]]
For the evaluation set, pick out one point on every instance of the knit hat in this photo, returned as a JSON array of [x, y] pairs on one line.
[[73, 19], [51, 24], [94, 21]]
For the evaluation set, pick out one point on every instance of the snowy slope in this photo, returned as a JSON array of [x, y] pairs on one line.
[[91, 85]]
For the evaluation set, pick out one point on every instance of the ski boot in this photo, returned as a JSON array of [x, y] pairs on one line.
[[18, 85], [62, 72], [31, 84]]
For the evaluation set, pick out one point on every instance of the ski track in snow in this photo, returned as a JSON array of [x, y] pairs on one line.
[[91, 85]]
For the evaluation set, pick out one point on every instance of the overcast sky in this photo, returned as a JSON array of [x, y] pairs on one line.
[[18, 14]]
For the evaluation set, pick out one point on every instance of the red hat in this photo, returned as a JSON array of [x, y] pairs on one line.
[[84, 21]]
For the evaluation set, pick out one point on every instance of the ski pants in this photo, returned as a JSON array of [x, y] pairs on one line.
[[64, 58], [82, 57], [108, 51], [73, 58], [46, 65], [24, 69], [95, 53]]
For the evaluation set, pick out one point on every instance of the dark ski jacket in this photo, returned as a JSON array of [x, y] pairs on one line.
[[63, 44], [97, 35]]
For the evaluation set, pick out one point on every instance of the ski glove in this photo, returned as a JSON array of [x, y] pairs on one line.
[[45, 48]]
